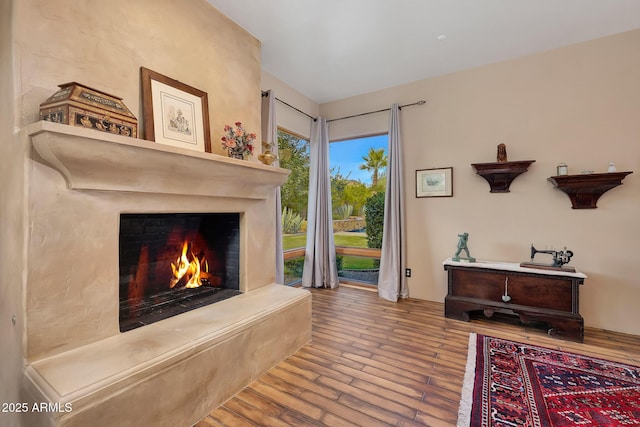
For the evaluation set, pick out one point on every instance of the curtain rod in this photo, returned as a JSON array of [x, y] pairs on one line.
[[346, 117], [290, 106], [377, 111]]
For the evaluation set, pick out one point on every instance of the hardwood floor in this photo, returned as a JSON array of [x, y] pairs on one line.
[[376, 363]]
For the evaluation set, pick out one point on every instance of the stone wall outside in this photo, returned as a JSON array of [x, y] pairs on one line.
[[350, 224]]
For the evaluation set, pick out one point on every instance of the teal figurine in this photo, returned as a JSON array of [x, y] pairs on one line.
[[462, 246]]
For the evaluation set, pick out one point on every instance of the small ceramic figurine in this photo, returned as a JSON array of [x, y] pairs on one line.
[[462, 246], [502, 153]]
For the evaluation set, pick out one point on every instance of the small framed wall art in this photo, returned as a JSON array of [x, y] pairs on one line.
[[174, 113], [434, 182]]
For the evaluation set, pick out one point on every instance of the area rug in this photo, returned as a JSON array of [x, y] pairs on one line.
[[508, 383]]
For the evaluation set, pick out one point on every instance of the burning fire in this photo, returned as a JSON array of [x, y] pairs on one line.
[[189, 273]]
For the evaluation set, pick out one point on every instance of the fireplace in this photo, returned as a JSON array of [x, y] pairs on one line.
[[84, 186], [171, 263]]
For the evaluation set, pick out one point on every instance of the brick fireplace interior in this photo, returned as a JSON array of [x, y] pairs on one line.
[[171, 263]]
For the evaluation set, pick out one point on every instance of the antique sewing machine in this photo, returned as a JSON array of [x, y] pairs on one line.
[[560, 258]]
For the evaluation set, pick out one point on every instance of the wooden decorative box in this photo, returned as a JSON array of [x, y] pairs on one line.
[[78, 105]]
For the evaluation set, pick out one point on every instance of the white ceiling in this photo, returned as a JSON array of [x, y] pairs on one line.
[[333, 49]]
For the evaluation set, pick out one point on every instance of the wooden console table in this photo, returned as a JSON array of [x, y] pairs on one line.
[[547, 296]]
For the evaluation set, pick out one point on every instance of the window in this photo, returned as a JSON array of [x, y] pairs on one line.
[[294, 155], [358, 181]]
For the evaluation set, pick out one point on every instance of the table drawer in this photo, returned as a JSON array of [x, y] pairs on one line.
[[544, 292]]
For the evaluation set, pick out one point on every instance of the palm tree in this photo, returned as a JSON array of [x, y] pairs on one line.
[[375, 160]]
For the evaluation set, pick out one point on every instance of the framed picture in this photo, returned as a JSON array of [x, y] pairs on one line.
[[434, 182], [174, 113]]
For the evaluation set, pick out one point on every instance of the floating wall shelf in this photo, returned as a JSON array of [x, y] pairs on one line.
[[499, 175], [584, 190]]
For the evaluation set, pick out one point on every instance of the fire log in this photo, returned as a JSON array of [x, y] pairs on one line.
[[181, 282]]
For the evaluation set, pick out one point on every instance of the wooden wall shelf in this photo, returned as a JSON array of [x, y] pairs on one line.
[[499, 175], [584, 190]]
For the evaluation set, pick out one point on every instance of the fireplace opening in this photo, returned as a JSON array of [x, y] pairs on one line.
[[173, 263]]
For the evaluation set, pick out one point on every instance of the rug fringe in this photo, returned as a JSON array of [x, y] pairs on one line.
[[466, 399]]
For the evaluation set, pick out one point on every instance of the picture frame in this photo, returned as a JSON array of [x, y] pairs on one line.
[[435, 182], [174, 113]]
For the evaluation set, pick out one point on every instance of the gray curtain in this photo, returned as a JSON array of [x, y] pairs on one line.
[[270, 135], [320, 270], [391, 281]]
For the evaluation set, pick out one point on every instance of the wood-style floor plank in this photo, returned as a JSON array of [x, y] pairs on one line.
[[372, 362]]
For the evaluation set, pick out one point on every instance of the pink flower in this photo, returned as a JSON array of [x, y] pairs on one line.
[[237, 140]]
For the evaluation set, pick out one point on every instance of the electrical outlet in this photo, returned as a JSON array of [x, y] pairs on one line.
[[407, 272]]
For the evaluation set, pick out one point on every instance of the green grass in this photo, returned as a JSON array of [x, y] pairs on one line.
[[357, 263], [291, 241], [355, 241]]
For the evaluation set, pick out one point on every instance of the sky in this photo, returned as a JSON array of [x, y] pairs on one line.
[[347, 155]]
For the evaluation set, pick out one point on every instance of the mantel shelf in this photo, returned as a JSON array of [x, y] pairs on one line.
[[92, 160], [584, 190], [499, 175]]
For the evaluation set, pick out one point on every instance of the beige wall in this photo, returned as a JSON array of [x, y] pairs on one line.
[[11, 227], [288, 118], [190, 41], [579, 105], [49, 43]]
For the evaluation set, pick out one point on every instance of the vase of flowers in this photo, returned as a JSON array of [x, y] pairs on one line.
[[237, 141]]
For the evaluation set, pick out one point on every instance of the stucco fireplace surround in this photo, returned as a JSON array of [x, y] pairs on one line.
[[172, 372]]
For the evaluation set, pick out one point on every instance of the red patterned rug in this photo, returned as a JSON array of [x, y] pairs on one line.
[[508, 383]]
